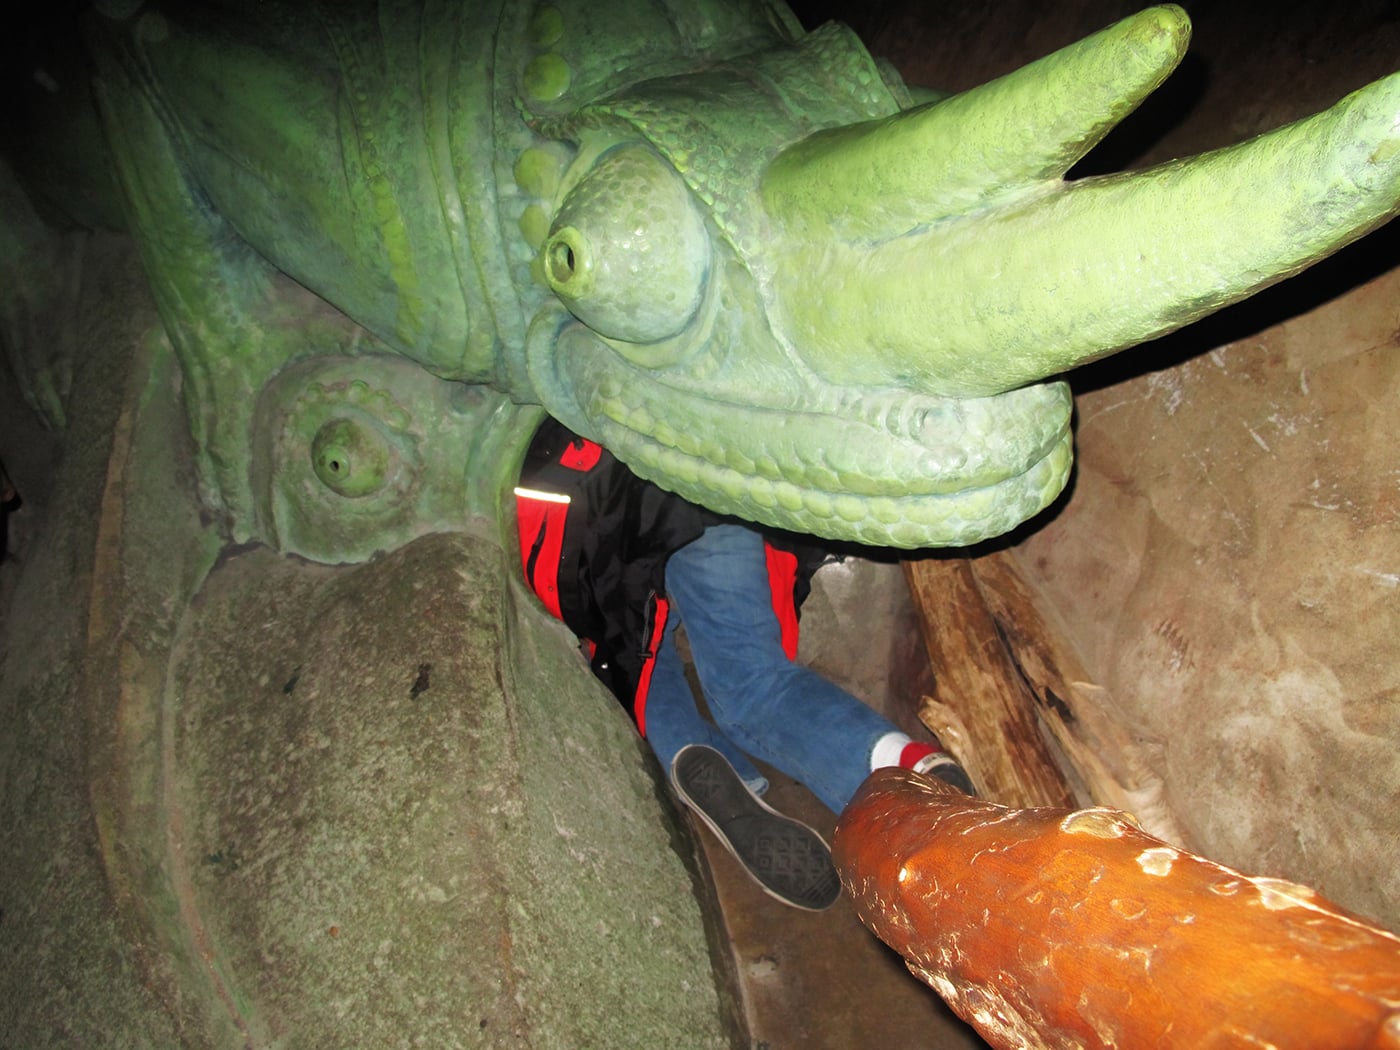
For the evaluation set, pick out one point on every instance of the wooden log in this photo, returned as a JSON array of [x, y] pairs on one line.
[[1055, 929], [975, 677]]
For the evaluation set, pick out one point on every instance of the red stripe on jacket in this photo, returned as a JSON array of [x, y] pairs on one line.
[[782, 584]]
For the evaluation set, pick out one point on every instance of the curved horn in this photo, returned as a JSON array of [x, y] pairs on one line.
[[886, 177], [1051, 274]]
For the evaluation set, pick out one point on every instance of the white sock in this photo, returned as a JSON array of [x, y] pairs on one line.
[[887, 750]]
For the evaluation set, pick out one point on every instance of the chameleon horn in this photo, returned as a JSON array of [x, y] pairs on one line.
[[1032, 279], [884, 178]]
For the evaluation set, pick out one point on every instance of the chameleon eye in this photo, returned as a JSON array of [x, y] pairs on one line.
[[628, 252], [350, 459]]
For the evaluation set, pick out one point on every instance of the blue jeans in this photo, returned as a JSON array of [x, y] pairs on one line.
[[763, 704]]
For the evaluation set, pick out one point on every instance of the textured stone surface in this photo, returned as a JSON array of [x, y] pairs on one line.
[[401, 815], [76, 969], [1233, 583]]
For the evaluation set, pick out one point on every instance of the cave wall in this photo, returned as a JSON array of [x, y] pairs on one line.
[[1226, 561]]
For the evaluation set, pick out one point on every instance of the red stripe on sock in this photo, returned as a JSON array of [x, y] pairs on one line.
[[913, 752]]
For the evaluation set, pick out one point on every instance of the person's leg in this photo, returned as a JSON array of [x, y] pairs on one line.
[[775, 709], [772, 707], [672, 719], [721, 786]]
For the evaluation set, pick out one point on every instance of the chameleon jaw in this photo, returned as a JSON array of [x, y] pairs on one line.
[[886, 468]]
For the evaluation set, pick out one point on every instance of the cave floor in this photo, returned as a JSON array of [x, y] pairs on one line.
[[821, 981]]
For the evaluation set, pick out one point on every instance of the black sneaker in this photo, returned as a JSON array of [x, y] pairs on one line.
[[784, 856], [942, 765]]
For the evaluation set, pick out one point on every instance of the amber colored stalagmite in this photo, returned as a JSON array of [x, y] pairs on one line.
[[1053, 928]]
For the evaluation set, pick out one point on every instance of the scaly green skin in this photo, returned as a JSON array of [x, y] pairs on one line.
[[736, 254]]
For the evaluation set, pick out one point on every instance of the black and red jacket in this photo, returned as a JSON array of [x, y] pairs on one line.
[[594, 539]]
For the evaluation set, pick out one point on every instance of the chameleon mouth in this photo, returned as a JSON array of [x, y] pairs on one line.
[[893, 519], [885, 468]]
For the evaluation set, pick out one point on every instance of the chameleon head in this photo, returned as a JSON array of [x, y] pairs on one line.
[[823, 312]]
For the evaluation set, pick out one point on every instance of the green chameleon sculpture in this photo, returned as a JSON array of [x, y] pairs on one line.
[[737, 254]]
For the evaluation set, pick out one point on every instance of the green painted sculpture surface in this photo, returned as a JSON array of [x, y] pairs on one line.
[[737, 254]]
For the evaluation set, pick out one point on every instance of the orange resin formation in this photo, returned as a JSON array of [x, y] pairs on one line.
[[1052, 928]]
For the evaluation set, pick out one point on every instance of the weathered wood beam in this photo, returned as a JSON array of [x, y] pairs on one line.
[[1027, 661], [1053, 929], [1106, 757], [975, 676]]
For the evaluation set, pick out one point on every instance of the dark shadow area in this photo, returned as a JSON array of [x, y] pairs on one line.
[[1161, 113], [10, 502]]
